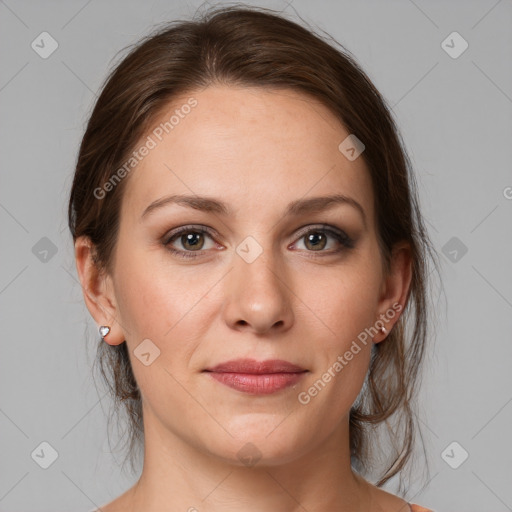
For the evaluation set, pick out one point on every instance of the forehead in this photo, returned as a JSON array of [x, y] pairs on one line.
[[255, 148]]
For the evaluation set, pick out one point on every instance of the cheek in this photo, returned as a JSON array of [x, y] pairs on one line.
[[143, 298], [166, 306], [343, 303], [157, 306], [151, 297], [343, 309]]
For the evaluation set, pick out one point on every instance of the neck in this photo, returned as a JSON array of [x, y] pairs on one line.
[[179, 476]]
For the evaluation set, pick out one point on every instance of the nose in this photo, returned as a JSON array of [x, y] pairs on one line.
[[258, 296]]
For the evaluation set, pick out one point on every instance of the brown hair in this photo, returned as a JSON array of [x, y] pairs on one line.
[[247, 46]]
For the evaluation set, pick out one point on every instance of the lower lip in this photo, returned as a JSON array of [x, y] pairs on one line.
[[260, 384]]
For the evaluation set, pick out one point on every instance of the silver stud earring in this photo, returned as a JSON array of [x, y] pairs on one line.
[[104, 330], [383, 330]]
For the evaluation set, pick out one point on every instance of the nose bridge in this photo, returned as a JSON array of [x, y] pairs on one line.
[[260, 275], [256, 294]]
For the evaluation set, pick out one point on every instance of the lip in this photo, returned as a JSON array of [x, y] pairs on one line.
[[254, 367], [257, 377]]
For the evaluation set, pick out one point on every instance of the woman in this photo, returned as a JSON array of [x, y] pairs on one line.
[[248, 240]]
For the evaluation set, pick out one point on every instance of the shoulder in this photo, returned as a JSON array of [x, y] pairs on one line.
[[117, 505], [392, 503], [383, 501], [109, 507], [113, 506]]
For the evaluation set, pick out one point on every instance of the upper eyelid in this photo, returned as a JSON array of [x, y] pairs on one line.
[[318, 227]]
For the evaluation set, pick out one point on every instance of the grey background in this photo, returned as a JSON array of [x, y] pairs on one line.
[[456, 120]]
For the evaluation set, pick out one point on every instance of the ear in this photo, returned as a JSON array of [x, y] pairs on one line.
[[98, 290], [395, 288]]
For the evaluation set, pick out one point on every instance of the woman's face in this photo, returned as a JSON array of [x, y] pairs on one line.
[[276, 276]]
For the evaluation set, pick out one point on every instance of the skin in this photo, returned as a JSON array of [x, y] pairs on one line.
[[257, 150]]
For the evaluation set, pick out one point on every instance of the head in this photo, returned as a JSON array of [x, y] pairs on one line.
[[252, 117]]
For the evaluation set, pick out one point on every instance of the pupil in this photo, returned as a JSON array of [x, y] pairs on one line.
[[191, 240], [313, 237]]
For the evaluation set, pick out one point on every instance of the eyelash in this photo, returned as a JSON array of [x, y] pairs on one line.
[[340, 236]]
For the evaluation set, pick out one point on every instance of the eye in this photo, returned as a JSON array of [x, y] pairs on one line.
[[191, 239], [324, 240]]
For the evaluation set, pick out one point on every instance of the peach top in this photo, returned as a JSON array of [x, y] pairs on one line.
[[414, 508]]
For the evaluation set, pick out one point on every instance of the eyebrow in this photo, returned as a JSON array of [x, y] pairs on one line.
[[295, 208]]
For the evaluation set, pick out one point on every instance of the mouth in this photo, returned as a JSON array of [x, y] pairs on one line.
[[257, 377], [254, 367]]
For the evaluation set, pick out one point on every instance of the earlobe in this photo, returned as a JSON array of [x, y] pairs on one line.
[[395, 290], [383, 333], [98, 291], [104, 330]]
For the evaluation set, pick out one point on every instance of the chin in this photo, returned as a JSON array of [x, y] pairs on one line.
[[259, 444]]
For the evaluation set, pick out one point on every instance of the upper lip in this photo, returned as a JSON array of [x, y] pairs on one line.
[[256, 367]]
